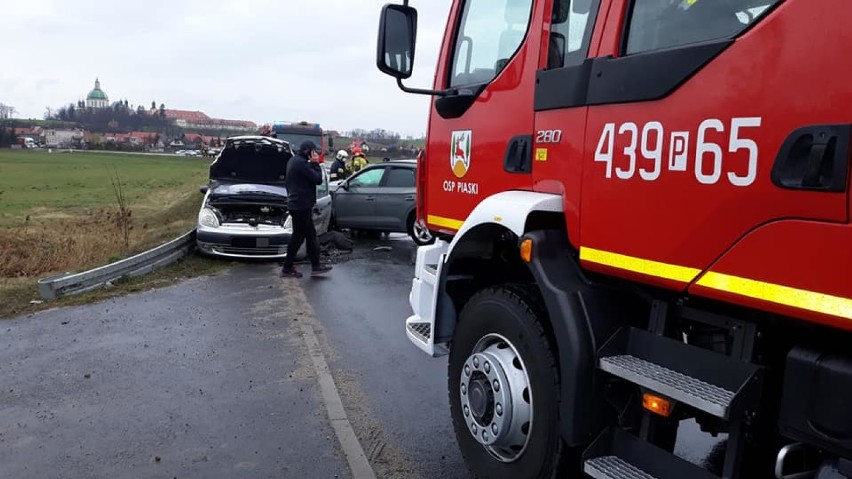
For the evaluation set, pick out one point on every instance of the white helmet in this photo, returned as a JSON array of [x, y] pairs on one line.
[[342, 155]]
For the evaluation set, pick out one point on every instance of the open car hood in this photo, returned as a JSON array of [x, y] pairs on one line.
[[252, 159]]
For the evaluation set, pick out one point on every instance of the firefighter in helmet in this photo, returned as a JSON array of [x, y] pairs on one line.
[[359, 160], [338, 167]]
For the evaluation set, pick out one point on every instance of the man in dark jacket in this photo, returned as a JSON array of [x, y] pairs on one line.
[[303, 176]]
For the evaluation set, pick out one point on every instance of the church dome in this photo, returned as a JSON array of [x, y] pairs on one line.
[[97, 93]]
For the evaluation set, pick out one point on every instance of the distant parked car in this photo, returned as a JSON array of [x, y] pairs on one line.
[[244, 213], [381, 197]]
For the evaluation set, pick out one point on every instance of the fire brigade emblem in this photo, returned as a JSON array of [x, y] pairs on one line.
[[460, 153]]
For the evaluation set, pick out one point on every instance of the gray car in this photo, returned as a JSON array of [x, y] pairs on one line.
[[381, 197]]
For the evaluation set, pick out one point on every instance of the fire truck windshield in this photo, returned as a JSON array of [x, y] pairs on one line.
[[296, 139]]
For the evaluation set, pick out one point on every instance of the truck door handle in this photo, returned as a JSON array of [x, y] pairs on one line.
[[409, 198], [814, 158], [518, 157], [370, 198]]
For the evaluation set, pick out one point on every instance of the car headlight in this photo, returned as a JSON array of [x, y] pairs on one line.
[[208, 218]]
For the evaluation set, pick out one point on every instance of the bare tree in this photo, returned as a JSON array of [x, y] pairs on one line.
[[7, 111]]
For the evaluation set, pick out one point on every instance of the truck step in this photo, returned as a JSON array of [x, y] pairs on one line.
[[707, 381], [616, 454], [613, 467], [423, 331], [688, 390]]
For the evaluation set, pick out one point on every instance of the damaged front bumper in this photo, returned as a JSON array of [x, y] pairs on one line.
[[244, 241]]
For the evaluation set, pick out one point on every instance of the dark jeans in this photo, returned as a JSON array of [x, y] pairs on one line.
[[303, 230]]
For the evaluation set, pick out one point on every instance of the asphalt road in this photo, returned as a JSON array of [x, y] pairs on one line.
[[211, 378], [206, 379]]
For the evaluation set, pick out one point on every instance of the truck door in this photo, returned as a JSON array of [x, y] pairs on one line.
[[480, 140], [704, 124], [560, 103]]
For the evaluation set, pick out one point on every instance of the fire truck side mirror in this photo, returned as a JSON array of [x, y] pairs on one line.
[[397, 34]]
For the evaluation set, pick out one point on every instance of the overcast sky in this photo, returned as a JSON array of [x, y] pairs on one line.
[[252, 60]]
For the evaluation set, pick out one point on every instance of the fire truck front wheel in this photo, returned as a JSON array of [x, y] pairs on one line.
[[504, 386]]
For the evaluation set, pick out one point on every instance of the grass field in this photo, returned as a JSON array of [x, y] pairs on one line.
[[59, 212], [69, 185]]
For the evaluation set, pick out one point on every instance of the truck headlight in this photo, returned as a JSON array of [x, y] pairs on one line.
[[288, 223], [208, 218]]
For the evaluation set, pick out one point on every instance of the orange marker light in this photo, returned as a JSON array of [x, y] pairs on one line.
[[526, 250], [657, 404]]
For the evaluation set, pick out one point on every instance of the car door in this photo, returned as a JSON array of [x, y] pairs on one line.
[[355, 200], [395, 200], [322, 210]]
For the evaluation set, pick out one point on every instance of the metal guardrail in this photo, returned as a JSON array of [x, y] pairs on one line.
[[143, 263]]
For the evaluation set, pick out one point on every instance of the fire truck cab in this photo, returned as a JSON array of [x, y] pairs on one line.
[[643, 208]]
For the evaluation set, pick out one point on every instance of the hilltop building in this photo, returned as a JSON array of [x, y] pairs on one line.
[[199, 120], [97, 98]]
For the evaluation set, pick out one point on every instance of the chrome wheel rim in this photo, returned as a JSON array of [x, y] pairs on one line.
[[496, 398], [421, 232]]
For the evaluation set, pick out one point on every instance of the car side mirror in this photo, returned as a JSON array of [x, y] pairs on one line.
[[397, 34], [203, 190]]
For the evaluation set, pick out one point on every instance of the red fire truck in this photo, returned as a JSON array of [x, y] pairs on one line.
[[296, 133], [644, 212]]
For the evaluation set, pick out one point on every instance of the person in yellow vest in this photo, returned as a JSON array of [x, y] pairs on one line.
[[359, 161]]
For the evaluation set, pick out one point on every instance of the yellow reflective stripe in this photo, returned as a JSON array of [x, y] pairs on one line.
[[445, 222], [639, 265], [775, 293]]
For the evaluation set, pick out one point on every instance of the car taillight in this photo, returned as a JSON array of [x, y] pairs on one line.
[[421, 187]]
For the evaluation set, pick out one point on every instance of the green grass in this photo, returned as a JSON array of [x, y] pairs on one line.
[[46, 186]]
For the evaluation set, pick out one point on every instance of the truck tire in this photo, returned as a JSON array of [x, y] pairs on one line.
[[504, 386]]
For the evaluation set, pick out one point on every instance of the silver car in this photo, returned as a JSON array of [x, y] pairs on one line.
[[381, 197], [244, 213]]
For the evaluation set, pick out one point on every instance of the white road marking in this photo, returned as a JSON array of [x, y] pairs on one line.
[[358, 463]]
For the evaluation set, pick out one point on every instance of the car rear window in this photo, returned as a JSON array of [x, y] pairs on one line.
[[400, 178]]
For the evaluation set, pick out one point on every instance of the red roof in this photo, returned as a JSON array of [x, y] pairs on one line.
[[198, 117], [140, 136], [189, 116], [193, 138], [35, 130]]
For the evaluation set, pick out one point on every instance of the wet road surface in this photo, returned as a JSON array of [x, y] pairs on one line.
[[402, 392], [397, 393]]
